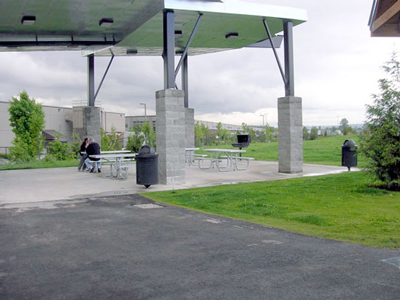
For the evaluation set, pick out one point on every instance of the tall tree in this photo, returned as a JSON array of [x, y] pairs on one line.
[[245, 128], [344, 126], [381, 142], [314, 133], [149, 134], [27, 122], [220, 133], [306, 134], [198, 135], [269, 133]]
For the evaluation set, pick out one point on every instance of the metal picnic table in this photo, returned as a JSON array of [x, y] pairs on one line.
[[225, 160], [116, 162]]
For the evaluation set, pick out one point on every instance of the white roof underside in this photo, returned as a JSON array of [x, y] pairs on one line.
[[138, 25]]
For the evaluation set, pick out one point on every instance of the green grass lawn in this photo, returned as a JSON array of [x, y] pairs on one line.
[[340, 207], [324, 150], [41, 164]]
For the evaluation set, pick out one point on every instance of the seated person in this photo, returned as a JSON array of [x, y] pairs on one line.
[[92, 148], [83, 155]]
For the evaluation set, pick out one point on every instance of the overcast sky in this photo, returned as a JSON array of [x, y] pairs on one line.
[[337, 66]]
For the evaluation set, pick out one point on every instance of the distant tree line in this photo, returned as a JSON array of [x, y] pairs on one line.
[[316, 132], [222, 136]]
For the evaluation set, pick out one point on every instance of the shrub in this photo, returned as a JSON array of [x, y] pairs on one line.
[[59, 150], [381, 145]]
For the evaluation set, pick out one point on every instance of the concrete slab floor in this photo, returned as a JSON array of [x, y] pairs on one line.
[[33, 185]]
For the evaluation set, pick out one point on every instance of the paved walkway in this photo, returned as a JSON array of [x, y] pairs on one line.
[[70, 235], [35, 185]]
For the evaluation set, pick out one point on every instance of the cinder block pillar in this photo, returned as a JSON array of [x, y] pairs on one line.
[[171, 135], [189, 143], [92, 122], [290, 134]]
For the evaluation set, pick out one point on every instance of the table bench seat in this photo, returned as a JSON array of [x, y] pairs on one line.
[[118, 162]]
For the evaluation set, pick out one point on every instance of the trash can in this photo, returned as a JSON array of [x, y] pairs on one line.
[[146, 166], [349, 154]]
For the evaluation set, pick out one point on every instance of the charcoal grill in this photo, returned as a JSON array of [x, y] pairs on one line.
[[243, 141]]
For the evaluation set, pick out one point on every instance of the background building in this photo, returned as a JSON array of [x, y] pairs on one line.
[[60, 122]]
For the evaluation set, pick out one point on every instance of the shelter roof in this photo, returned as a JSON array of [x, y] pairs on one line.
[[385, 18], [135, 27]]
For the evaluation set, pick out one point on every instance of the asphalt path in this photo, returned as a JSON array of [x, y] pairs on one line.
[[128, 247]]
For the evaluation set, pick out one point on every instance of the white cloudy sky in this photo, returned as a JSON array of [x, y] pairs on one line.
[[337, 65]]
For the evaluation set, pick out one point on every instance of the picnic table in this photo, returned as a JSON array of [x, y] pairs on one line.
[[190, 156], [225, 160], [116, 161], [115, 151]]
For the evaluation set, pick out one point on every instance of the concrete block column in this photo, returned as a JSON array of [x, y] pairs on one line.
[[171, 133], [189, 112], [290, 134], [92, 122], [87, 121]]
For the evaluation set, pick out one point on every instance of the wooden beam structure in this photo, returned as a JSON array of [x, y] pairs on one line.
[[385, 18]]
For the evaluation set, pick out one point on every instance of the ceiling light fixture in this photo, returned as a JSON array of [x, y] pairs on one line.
[[106, 22], [178, 32], [28, 20], [231, 35]]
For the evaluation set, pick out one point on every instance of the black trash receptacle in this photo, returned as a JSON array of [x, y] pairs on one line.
[[146, 166], [349, 154]]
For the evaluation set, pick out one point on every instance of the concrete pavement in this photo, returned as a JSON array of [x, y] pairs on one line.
[[20, 186], [128, 247], [71, 235]]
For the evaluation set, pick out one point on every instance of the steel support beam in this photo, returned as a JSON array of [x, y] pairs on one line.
[[104, 77], [91, 97], [185, 81], [289, 62], [274, 50], [188, 44], [169, 50], [288, 73]]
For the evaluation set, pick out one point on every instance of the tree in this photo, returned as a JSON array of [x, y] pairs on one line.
[[269, 133], [314, 133], [198, 136], [135, 140], [306, 134], [219, 132], [245, 128], [381, 143], [149, 134], [110, 141], [344, 126], [252, 133], [27, 122], [202, 134]]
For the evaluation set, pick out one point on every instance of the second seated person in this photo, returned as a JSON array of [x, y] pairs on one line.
[[92, 148]]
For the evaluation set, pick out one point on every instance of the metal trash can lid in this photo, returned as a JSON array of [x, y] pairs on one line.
[[349, 143], [146, 149]]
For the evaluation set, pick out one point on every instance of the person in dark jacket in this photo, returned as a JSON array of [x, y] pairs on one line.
[[83, 155], [92, 148]]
